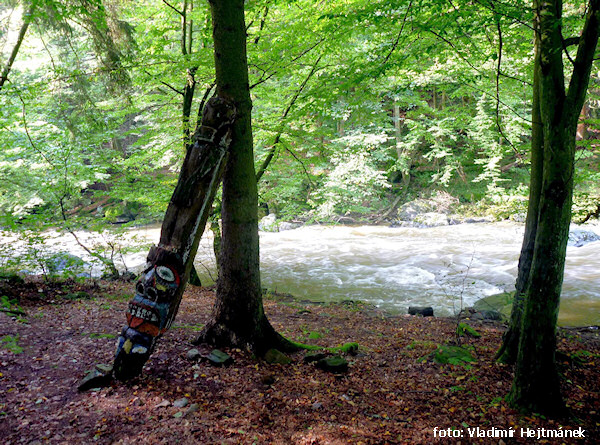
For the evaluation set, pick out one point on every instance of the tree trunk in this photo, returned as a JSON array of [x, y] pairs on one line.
[[27, 17], [403, 155], [536, 385], [159, 290], [510, 341], [194, 277], [216, 230], [582, 126], [187, 33], [238, 317]]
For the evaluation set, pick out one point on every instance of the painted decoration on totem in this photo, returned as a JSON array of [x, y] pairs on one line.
[[148, 314]]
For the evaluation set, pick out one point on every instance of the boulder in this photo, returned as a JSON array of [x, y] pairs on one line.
[[410, 210], [492, 307], [476, 220], [66, 265], [349, 348], [580, 237], [431, 219], [268, 223], [288, 226], [424, 311], [519, 217]]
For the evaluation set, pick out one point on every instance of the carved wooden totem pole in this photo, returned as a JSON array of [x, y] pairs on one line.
[[159, 290]]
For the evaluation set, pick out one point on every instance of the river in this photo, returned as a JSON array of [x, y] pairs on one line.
[[394, 268]]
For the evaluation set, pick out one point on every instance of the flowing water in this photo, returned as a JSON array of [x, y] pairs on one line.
[[394, 268]]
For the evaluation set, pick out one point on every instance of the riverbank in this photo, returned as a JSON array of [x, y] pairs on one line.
[[393, 392]]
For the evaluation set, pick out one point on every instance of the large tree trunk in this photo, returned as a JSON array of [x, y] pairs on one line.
[[536, 385], [159, 290], [238, 317], [510, 341]]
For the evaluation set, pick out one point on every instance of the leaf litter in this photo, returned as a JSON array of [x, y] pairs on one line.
[[392, 392]]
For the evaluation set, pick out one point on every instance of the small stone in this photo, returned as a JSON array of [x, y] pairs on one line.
[[219, 358], [268, 379], [178, 414], [314, 357], [335, 364], [104, 368], [95, 379], [317, 405], [192, 409], [163, 404], [491, 315], [193, 354], [180, 403], [273, 356], [424, 311]]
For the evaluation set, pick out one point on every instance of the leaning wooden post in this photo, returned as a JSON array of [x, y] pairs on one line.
[[160, 287]]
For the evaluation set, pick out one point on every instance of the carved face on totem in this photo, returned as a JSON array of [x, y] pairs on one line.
[[154, 292], [148, 311]]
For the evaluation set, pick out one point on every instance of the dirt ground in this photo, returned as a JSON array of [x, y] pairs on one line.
[[392, 393]]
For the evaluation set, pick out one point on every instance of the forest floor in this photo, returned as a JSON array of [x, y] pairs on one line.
[[389, 395]]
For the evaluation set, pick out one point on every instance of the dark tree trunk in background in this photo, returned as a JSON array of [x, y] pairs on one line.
[[536, 386], [238, 317]]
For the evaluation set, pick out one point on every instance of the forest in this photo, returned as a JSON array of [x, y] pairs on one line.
[[232, 221]]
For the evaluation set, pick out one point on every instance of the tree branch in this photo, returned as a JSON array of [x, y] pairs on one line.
[[468, 62], [173, 7], [586, 50], [498, 124], [263, 20], [273, 148], [202, 104], [33, 145], [299, 56], [13, 55], [166, 84], [488, 5], [289, 150], [395, 45], [106, 261]]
